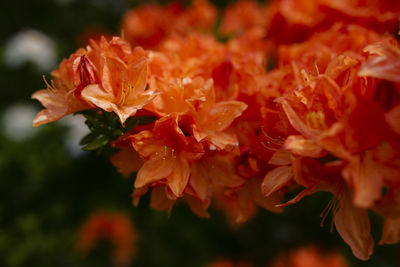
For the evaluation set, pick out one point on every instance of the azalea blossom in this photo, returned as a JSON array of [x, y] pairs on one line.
[[106, 75], [274, 98]]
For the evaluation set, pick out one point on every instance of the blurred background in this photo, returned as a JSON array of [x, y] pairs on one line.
[[61, 206]]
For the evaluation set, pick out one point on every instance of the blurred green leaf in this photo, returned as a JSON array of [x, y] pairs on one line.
[[97, 143]]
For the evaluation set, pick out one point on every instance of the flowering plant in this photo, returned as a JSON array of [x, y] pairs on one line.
[[241, 108]]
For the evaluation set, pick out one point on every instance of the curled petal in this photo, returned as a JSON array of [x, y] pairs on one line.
[[305, 192], [391, 231], [353, 225], [296, 122], [381, 67], [276, 179], [385, 65]]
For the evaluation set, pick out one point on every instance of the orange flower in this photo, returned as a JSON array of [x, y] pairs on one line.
[[338, 118], [193, 55], [116, 227], [298, 20], [351, 222], [241, 204], [124, 79], [213, 171], [212, 118], [108, 75], [310, 256], [200, 16], [149, 25], [167, 155], [242, 16], [195, 101], [63, 96]]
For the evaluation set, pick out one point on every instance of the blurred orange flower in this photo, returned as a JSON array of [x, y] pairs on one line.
[[150, 24], [113, 226], [311, 257]]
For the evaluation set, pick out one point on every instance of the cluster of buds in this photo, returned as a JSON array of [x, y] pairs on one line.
[[239, 108]]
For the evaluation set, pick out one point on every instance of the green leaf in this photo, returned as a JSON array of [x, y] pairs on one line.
[[97, 143], [90, 137]]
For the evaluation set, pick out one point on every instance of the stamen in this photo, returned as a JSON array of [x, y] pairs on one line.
[[123, 89], [272, 144], [332, 207], [316, 67], [326, 211], [49, 87]]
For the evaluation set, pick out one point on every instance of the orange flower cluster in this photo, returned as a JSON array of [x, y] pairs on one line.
[[231, 128]]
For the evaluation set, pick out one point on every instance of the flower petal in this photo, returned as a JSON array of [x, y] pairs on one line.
[[55, 105], [127, 161], [391, 231], [223, 114], [296, 122], [297, 144], [365, 179], [385, 65], [353, 225], [154, 170], [179, 177], [276, 179]]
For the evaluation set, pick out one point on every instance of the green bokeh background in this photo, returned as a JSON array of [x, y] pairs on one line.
[[45, 193]]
